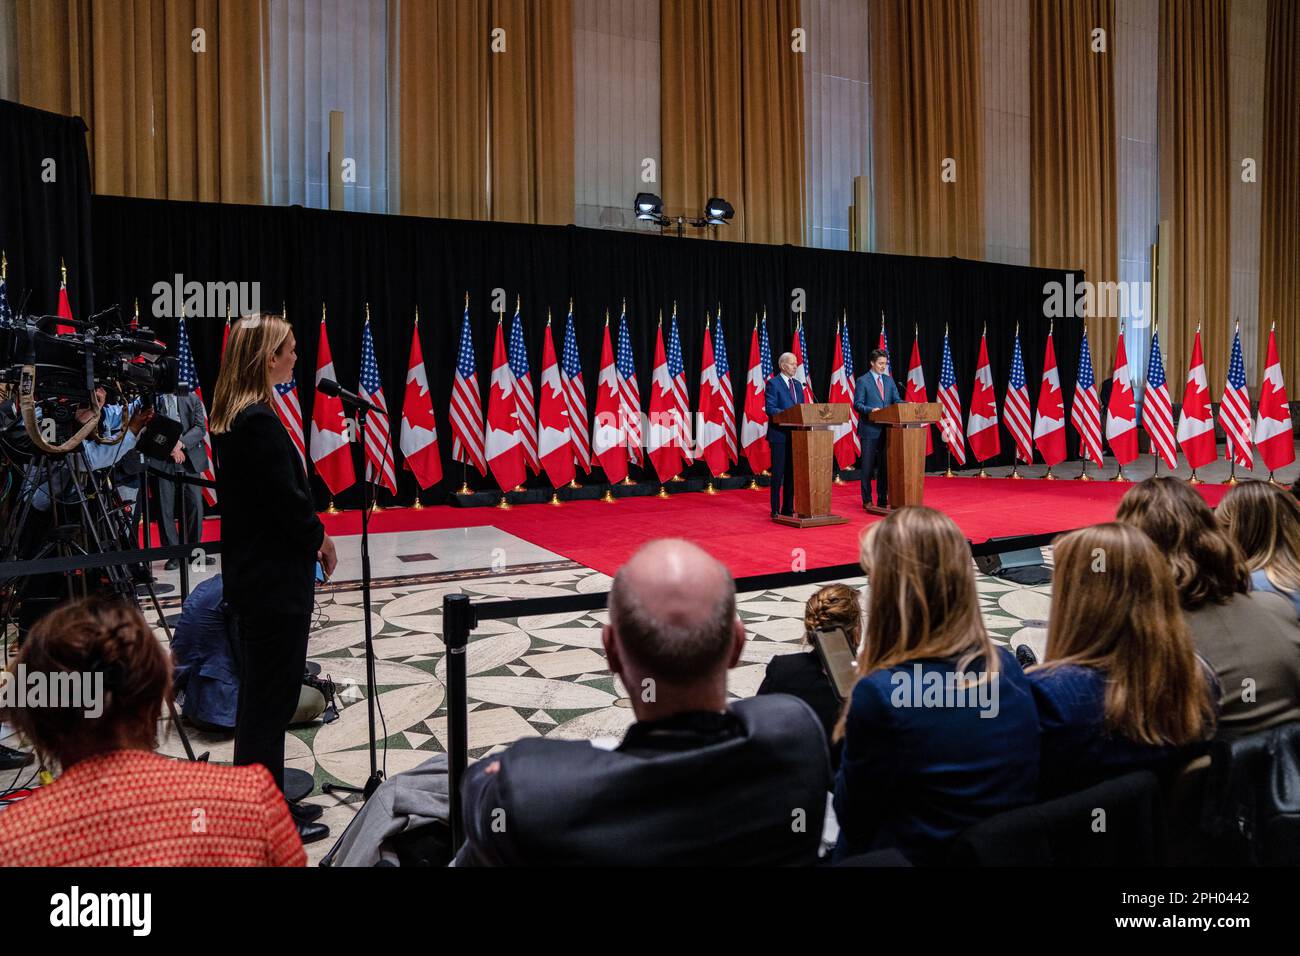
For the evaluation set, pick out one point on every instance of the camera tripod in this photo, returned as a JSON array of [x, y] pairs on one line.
[[98, 525]]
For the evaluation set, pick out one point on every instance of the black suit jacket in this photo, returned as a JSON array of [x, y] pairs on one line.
[[802, 676], [269, 530], [747, 787]]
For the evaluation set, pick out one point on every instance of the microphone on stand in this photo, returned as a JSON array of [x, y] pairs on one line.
[[334, 389]]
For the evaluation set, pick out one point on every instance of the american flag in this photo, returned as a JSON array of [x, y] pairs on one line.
[[467, 405], [525, 402], [189, 374], [852, 378], [629, 393], [285, 402], [575, 396], [884, 344], [724, 384], [765, 348], [379, 446], [6, 314], [677, 372], [950, 420], [1085, 413], [1157, 411], [1016, 408], [1234, 410], [805, 365]]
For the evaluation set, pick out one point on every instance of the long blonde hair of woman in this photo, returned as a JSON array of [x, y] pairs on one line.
[[245, 376], [922, 603], [1115, 608], [1264, 520]]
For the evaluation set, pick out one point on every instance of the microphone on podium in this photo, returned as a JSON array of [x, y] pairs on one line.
[[351, 399]]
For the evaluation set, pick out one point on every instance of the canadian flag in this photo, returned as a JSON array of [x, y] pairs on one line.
[[710, 432], [847, 451], [607, 439], [65, 306], [505, 440], [1121, 409], [1049, 422], [1195, 426], [663, 439], [331, 430], [753, 427], [1273, 434], [419, 433], [916, 389], [982, 425], [554, 436]]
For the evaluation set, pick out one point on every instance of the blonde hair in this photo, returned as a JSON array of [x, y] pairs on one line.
[[836, 605], [922, 602], [1115, 608], [1264, 521], [245, 376]]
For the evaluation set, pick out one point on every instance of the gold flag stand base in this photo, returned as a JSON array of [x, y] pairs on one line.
[[555, 500], [1049, 476], [983, 473], [1232, 480], [464, 489], [765, 473], [950, 473], [419, 505], [663, 492], [1119, 475], [1273, 481], [1015, 472], [677, 478], [627, 481], [838, 480], [1083, 475], [709, 489], [608, 497], [331, 510], [573, 484], [1194, 480], [504, 504], [374, 507], [755, 486]]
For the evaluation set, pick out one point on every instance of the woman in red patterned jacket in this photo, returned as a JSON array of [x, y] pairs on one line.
[[116, 802]]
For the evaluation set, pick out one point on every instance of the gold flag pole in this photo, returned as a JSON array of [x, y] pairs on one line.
[[464, 468], [574, 482]]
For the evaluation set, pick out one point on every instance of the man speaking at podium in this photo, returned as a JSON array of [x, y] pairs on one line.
[[874, 390], [783, 391]]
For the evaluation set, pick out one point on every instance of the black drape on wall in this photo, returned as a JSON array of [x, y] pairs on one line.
[[304, 257], [44, 207]]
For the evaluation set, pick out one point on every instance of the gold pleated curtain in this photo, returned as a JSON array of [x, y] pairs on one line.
[[926, 88], [166, 121], [731, 114], [1073, 209], [1195, 167], [483, 134], [1279, 177]]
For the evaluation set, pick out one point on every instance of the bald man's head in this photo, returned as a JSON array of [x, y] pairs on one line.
[[673, 608]]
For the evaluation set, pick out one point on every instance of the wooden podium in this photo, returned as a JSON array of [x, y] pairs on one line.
[[905, 449], [814, 446]]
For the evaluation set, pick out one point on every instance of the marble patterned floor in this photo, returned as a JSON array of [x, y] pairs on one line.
[[528, 676]]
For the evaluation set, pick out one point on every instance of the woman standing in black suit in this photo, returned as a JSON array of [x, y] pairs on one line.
[[271, 540]]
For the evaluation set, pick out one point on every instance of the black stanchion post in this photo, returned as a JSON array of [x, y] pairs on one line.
[[178, 494], [458, 619]]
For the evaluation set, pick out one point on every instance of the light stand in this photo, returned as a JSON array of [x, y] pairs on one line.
[[367, 498]]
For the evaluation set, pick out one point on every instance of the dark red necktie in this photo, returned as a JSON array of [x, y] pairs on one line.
[[792, 394]]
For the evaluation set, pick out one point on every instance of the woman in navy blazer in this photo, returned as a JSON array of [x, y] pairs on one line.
[[1120, 687], [941, 730]]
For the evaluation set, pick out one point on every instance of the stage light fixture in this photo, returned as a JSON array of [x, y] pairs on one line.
[[649, 207], [718, 212]]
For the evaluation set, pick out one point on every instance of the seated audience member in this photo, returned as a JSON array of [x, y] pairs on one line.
[[1264, 521], [1250, 638], [802, 675], [116, 803], [1120, 687], [695, 780], [941, 729]]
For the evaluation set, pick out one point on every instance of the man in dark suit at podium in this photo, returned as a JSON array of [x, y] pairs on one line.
[[783, 391], [874, 390]]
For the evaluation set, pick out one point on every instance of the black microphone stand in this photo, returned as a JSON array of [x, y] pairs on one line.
[[367, 498]]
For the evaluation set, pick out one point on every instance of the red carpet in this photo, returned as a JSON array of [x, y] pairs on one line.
[[735, 526]]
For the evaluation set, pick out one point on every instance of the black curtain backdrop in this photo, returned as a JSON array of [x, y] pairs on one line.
[[305, 257], [44, 207]]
